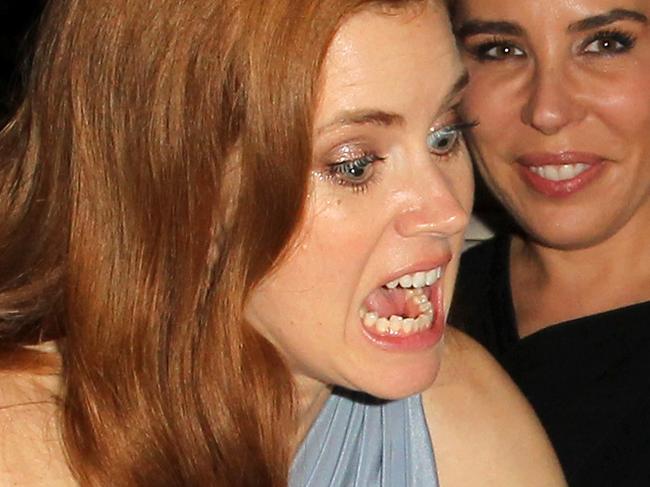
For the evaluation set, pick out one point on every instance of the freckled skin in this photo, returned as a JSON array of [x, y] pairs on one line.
[[415, 206], [559, 99]]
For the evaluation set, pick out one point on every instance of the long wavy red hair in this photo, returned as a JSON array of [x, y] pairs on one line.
[[154, 173]]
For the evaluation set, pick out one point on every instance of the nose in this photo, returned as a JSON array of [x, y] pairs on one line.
[[552, 102], [431, 206]]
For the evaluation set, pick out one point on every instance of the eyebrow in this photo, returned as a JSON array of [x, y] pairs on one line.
[[606, 19], [383, 118], [474, 27]]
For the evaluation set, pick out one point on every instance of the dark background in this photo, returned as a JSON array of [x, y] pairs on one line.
[[17, 18]]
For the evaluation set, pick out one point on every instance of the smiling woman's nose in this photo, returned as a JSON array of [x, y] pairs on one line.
[[439, 213], [551, 101]]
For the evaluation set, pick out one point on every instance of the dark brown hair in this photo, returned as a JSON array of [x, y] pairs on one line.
[[154, 173]]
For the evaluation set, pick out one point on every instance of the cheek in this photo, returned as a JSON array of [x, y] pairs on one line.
[[625, 109], [495, 110], [326, 260]]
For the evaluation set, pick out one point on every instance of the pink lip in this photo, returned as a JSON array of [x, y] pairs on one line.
[[417, 341], [559, 188], [418, 267]]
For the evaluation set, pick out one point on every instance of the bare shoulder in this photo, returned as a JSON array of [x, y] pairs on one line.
[[484, 431], [30, 448]]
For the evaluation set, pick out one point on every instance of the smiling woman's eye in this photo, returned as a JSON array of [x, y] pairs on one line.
[[496, 50], [608, 43]]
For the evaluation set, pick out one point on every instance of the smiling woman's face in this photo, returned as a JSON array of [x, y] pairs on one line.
[[561, 89], [389, 199]]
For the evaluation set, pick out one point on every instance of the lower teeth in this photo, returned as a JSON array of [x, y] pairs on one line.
[[398, 325]]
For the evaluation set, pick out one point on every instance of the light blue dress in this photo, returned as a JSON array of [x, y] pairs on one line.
[[359, 441]]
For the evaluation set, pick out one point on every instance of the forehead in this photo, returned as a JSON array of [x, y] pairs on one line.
[[390, 61], [547, 11]]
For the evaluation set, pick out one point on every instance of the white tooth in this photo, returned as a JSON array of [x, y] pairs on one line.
[[392, 284], [420, 323], [409, 325], [581, 167], [419, 279], [431, 277], [406, 281], [425, 321], [537, 170], [426, 307], [370, 319], [382, 325], [551, 172], [438, 272], [421, 299], [362, 312], [567, 171], [395, 323]]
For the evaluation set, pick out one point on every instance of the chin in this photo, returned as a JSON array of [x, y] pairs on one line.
[[400, 383], [567, 236]]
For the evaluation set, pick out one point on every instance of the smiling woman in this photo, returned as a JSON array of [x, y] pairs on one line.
[[561, 90], [230, 235]]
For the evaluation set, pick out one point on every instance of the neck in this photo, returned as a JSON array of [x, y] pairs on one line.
[[312, 395], [551, 285]]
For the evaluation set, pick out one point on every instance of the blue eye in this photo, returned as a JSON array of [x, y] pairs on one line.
[[442, 141], [354, 172]]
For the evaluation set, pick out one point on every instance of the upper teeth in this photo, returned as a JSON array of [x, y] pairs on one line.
[[416, 280], [560, 173]]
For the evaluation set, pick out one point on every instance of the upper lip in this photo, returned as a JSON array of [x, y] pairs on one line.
[[425, 265], [559, 158]]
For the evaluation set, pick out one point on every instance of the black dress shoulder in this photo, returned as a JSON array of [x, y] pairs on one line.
[[588, 379]]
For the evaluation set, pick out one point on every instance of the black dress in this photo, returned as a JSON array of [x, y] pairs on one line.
[[588, 378]]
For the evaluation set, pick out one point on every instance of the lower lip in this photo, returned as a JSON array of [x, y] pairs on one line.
[[560, 188], [416, 341]]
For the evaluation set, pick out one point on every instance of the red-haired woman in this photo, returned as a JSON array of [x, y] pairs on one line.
[[227, 227]]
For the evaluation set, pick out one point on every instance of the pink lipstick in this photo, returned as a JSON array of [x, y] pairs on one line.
[[559, 174]]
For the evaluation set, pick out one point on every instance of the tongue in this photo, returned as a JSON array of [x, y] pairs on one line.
[[388, 302]]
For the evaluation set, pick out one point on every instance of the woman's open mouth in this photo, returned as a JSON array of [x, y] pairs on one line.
[[405, 311]]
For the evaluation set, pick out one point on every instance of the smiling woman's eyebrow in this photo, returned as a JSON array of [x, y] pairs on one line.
[[610, 17], [475, 27]]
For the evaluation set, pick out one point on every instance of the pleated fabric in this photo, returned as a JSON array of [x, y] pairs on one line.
[[360, 441]]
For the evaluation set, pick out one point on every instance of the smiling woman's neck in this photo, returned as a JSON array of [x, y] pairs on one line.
[[552, 285]]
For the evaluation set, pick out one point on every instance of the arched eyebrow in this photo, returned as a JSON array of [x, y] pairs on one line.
[[383, 118], [610, 17], [475, 27]]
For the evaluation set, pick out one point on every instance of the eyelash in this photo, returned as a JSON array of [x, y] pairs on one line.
[[480, 51], [336, 172], [626, 40]]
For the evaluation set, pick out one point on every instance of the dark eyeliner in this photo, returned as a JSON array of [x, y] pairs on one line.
[[626, 40], [480, 50]]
